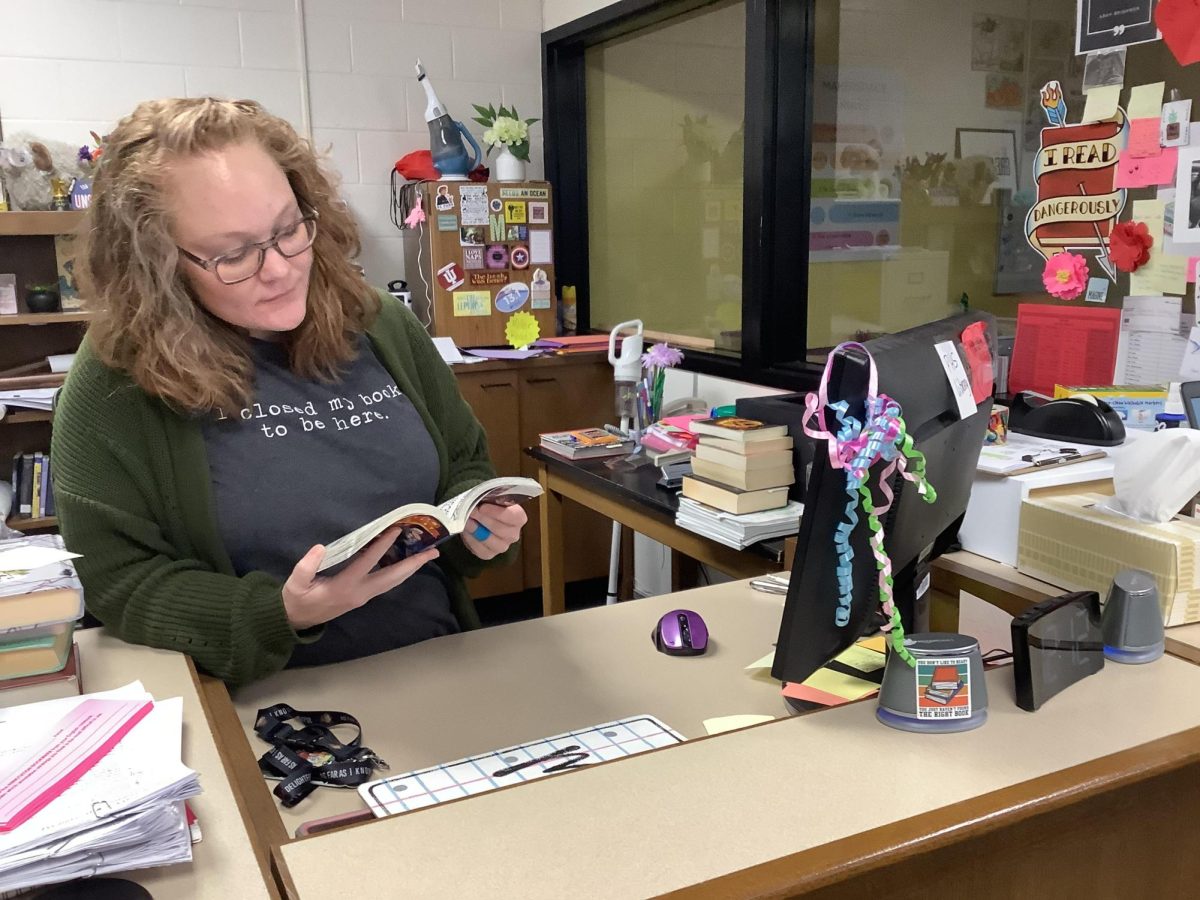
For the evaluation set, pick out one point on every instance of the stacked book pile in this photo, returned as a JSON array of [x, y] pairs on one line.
[[92, 785], [585, 443], [40, 602], [737, 493]]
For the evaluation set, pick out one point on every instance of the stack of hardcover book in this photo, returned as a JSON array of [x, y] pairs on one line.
[[41, 599], [740, 465], [737, 493]]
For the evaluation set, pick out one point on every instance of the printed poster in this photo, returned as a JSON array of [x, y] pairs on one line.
[[474, 204], [1102, 24], [1074, 170]]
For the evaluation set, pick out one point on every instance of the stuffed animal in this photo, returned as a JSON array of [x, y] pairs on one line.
[[27, 166]]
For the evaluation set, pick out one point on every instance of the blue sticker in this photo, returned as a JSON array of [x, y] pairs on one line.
[[512, 297]]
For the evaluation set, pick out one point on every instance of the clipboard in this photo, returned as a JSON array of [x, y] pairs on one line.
[[1023, 454]]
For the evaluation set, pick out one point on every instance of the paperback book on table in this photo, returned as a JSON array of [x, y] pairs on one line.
[[585, 443]]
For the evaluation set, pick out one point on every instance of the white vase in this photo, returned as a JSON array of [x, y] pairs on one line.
[[507, 167]]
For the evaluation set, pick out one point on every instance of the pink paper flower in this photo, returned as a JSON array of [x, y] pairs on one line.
[[1065, 275], [661, 356]]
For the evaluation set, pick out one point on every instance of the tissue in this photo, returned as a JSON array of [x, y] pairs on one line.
[[1158, 476]]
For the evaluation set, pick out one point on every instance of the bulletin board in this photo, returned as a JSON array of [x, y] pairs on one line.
[[491, 255]]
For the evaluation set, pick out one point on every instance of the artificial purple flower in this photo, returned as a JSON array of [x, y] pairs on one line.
[[661, 356], [85, 155]]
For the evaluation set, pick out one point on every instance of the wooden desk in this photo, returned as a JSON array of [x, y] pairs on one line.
[[224, 863], [631, 499], [1184, 641], [832, 803]]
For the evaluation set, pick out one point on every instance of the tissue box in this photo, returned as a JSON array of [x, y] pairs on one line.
[[993, 519], [1066, 541], [1136, 404]]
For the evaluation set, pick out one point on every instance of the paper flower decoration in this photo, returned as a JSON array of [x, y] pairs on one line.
[[661, 356], [521, 330], [1065, 275], [1129, 245]]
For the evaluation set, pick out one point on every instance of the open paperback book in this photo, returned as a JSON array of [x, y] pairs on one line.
[[423, 526]]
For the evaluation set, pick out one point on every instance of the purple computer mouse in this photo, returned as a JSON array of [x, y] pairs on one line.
[[680, 632]]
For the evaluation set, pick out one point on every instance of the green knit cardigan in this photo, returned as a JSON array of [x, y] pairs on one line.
[[133, 491]]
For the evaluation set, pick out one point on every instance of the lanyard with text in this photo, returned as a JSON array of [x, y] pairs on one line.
[[308, 757]]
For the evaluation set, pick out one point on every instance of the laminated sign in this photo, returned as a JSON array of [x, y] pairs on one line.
[[1075, 167]]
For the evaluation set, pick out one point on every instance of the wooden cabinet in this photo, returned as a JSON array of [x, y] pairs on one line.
[[515, 402], [26, 339]]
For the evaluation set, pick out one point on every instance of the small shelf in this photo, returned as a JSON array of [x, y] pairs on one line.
[[46, 223], [26, 523], [21, 417], [44, 318]]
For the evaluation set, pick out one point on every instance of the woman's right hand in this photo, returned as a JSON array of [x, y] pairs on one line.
[[310, 599]]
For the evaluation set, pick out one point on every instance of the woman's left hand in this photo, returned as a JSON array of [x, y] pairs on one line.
[[504, 523]]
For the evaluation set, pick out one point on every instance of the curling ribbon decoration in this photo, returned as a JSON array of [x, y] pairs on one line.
[[855, 447]]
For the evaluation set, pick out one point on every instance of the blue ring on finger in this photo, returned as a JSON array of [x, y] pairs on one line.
[[481, 532]]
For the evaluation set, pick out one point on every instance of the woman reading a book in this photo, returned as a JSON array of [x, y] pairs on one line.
[[243, 396]]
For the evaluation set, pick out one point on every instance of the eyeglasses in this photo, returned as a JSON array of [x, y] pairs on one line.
[[246, 262]]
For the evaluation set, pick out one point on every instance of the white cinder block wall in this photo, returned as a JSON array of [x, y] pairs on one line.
[[368, 107], [72, 66]]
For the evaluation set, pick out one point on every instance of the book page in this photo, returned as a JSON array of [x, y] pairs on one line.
[[346, 546], [499, 491]]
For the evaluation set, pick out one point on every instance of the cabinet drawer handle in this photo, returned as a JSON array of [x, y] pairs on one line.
[[496, 384], [541, 380]]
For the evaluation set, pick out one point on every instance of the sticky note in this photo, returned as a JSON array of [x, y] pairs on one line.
[[765, 663], [731, 723], [845, 686], [1145, 101], [1191, 269], [862, 658], [878, 642], [1101, 104], [1146, 171], [1164, 273], [472, 303], [1143, 137]]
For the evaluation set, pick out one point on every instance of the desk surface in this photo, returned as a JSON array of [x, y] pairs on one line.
[[634, 485], [223, 864], [471, 693], [760, 799]]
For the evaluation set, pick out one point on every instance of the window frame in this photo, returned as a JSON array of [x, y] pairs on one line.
[[776, 181]]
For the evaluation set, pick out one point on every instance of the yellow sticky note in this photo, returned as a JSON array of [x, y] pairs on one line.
[[862, 658], [1145, 101], [845, 686], [765, 663], [730, 723], [877, 643], [1101, 104], [1164, 273], [472, 303]]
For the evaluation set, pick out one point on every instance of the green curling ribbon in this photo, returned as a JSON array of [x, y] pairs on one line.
[[886, 582]]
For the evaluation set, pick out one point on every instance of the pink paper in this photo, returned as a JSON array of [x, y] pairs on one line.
[[1147, 171], [79, 740], [1191, 269], [1143, 137]]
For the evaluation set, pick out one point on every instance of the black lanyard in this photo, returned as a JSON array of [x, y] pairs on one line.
[[308, 757]]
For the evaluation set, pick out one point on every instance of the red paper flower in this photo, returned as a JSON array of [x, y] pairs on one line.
[[1065, 275], [1129, 245]]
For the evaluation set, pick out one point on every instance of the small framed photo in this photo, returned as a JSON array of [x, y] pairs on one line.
[[999, 144]]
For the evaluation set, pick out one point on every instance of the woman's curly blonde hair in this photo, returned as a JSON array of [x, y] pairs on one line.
[[148, 322]]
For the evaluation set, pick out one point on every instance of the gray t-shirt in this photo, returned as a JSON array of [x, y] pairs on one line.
[[309, 462]]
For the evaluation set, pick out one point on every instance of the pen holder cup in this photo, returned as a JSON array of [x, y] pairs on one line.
[[943, 692], [1132, 619]]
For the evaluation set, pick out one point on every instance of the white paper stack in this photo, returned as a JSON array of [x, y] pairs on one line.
[[126, 812], [738, 532], [30, 398]]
